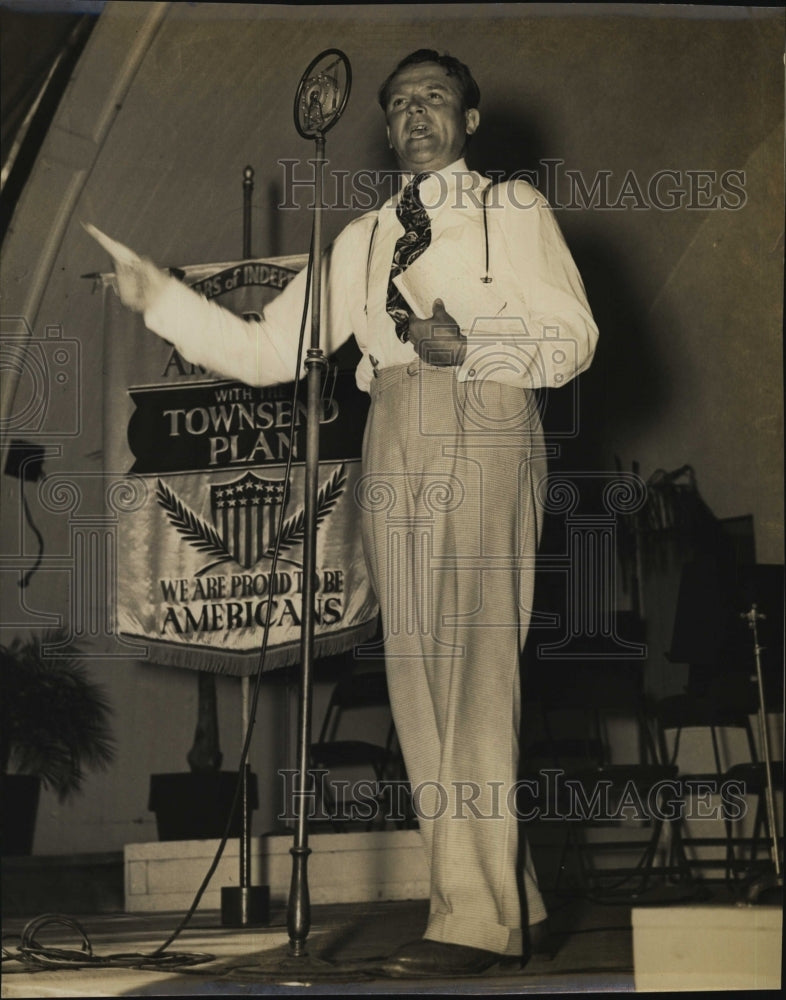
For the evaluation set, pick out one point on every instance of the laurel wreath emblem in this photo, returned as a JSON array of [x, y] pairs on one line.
[[293, 531], [205, 538], [197, 532]]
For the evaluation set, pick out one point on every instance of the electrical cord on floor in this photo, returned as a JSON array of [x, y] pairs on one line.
[[30, 951], [33, 952]]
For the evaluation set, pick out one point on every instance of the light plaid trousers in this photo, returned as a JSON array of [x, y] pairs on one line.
[[451, 522]]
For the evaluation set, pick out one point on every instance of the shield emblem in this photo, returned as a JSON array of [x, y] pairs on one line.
[[246, 513]]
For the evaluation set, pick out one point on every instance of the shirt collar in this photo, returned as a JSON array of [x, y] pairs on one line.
[[440, 187]]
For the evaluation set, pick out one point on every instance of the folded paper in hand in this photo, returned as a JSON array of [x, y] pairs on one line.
[[443, 272]]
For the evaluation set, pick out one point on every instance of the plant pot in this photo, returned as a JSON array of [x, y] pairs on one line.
[[20, 794], [195, 805]]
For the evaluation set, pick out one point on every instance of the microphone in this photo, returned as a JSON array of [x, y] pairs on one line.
[[322, 93]]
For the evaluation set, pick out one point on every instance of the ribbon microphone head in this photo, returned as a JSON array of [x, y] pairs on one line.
[[322, 93]]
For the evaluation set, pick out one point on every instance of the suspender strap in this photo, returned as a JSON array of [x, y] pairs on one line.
[[486, 279]]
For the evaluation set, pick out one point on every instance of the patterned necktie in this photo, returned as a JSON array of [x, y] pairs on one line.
[[415, 239]]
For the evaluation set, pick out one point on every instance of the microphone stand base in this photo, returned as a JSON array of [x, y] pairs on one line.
[[304, 970], [245, 906]]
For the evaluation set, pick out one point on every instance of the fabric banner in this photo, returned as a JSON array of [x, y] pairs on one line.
[[204, 460]]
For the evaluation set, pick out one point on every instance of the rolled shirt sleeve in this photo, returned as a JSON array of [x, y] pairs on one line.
[[257, 352]]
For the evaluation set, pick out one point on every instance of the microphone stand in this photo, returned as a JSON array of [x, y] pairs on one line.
[[299, 908], [312, 119]]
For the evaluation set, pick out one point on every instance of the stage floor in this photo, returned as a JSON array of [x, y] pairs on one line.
[[593, 954]]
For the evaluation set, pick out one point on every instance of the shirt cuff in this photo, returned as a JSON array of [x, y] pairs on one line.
[[499, 349]]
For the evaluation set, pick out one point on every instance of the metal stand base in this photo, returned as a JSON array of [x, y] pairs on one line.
[[304, 971], [245, 906]]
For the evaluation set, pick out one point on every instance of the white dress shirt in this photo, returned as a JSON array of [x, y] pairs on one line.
[[529, 326]]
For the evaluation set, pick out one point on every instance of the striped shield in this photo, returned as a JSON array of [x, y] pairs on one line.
[[245, 513]]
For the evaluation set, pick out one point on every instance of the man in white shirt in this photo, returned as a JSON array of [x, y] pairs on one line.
[[463, 298]]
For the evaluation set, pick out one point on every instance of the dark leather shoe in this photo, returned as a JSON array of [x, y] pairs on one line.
[[424, 958]]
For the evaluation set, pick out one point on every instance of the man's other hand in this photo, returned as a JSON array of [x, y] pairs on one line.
[[437, 339]]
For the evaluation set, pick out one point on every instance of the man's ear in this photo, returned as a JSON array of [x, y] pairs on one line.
[[472, 120], [387, 133]]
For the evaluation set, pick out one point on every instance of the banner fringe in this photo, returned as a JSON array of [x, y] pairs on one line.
[[246, 664]]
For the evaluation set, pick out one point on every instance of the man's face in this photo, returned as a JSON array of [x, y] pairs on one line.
[[427, 127]]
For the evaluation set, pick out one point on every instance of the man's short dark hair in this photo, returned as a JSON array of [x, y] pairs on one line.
[[470, 92]]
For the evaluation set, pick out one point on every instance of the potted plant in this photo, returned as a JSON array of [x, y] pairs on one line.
[[54, 728]]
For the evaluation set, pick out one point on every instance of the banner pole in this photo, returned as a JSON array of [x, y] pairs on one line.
[[248, 192], [244, 846], [245, 829]]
